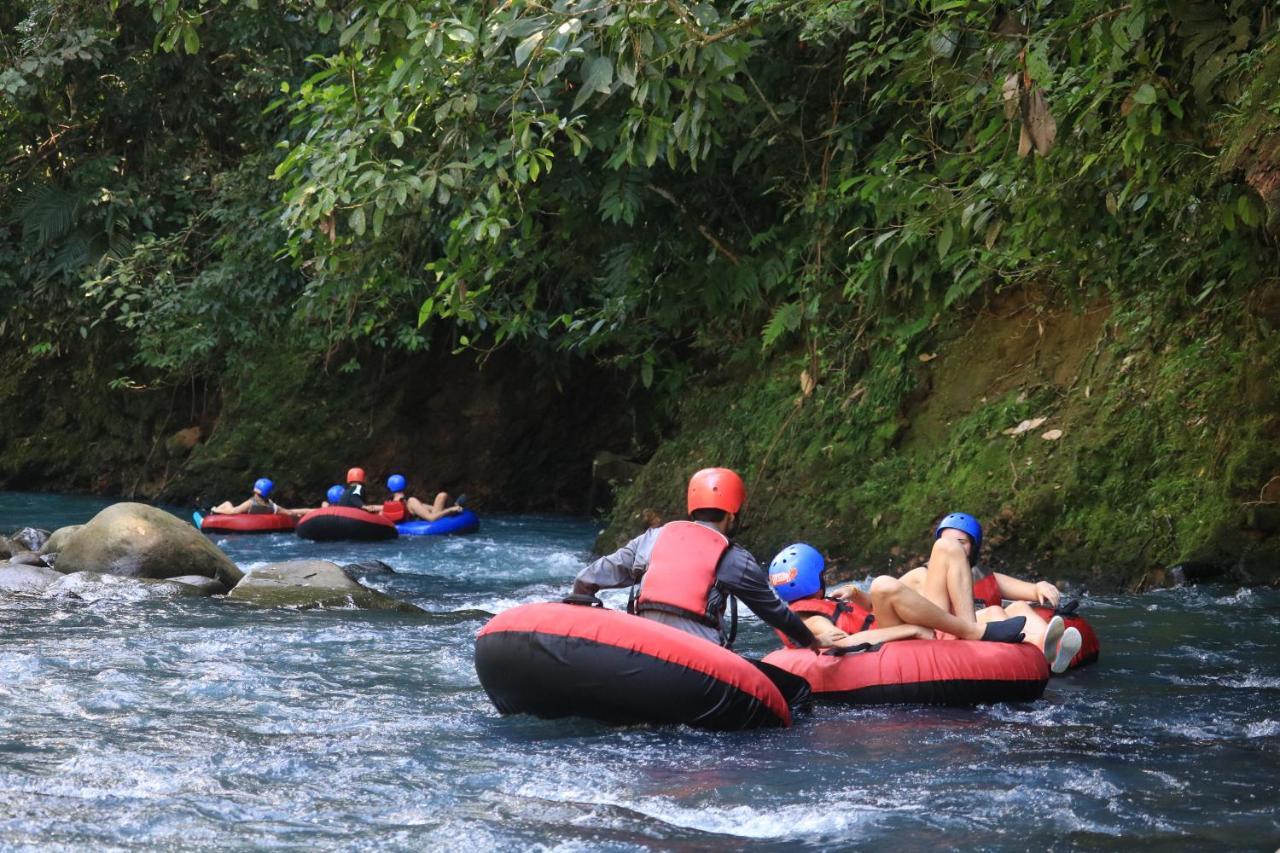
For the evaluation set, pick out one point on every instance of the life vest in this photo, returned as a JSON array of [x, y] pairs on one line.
[[395, 511], [845, 615], [986, 591], [682, 572]]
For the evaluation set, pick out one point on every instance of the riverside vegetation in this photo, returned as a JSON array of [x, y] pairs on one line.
[[887, 258]]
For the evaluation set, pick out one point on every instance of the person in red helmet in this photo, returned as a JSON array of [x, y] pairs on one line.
[[687, 570], [353, 494]]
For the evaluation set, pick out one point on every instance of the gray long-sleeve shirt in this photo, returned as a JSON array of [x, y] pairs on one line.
[[737, 573]]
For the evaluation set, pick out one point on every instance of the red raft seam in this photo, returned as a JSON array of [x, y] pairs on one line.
[[643, 636], [348, 512]]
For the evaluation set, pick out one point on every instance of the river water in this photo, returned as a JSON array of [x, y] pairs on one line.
[[198, 723]]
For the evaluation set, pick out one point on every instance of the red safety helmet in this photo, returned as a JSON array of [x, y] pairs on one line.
[[716, 488], [355, 475]]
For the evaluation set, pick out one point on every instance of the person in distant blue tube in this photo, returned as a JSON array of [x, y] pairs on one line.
[[407, 508], [259, 503]]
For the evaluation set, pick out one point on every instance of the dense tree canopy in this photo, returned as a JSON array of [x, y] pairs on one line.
[[648, 182]]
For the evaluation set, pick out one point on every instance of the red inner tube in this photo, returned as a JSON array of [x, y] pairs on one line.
[[930, 672], [255, 522], [556, 660], [342, 522]]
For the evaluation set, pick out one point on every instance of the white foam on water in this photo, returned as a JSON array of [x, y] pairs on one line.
[[1262, 728]]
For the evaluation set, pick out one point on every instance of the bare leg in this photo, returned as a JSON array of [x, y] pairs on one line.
[[437, 509], [1036, 624], [948, 581], [894, 603]]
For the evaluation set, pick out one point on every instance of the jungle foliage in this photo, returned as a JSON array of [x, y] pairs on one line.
[[661, 184]]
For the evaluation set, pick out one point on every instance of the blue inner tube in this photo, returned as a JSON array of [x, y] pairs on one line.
[[460, 522]]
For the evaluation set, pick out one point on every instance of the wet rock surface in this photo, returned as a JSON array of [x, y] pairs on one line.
[[311, 583], [140, 541]]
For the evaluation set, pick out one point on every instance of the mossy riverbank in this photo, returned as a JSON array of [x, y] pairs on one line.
[[1156, 442]]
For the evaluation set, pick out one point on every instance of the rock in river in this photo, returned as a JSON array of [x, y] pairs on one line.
[[15, 577], [31, 538], [311, 583], [97, 586], [140, 541], [60, 538]]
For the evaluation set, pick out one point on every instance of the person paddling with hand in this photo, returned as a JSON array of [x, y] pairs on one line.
[[687, 570]]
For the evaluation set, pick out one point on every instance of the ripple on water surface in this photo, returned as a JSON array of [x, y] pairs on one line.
[[195, 723]]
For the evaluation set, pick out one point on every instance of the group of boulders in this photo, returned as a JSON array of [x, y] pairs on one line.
[[135, 551]]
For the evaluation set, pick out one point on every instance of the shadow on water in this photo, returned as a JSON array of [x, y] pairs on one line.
[[193, 723]]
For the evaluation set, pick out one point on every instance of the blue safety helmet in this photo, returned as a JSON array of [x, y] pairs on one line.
[[965, 523], [263, 486], [335, 493], [395, 483], [797, 572]]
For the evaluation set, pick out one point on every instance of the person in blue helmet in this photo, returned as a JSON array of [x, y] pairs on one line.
[[954, 580], [406, 508], [892, 610], [334, 495], [258, 503]]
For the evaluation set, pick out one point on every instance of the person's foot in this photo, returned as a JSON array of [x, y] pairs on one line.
[[460, 500], [1052, 637], [1005, 631], [1067, 649]]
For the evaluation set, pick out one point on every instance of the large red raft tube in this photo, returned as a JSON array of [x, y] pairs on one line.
[[922, 672], [333, 523], [255, 522], [1089, 647], [560, 660]]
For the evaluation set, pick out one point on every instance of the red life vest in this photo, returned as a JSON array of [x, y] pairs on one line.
[[845, 615], [395, 511], [682, 571], [986, 591]]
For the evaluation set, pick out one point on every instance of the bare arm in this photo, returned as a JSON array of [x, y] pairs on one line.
[[1041, 592]]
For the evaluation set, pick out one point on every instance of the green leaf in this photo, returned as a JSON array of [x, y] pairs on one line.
[[397, 138], [526, 47], [1249, 214], [325, 22], [944, 241], [190, 41], [1146, 94], [357, 221]]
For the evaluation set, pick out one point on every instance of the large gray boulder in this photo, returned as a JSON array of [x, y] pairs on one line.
[[30, 580], [60, 538], [140, 541], [311, 583]]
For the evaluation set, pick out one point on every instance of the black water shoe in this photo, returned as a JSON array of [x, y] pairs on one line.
[[1006, 630]]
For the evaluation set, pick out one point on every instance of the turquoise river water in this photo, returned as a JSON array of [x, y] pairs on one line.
[[198, 723]]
